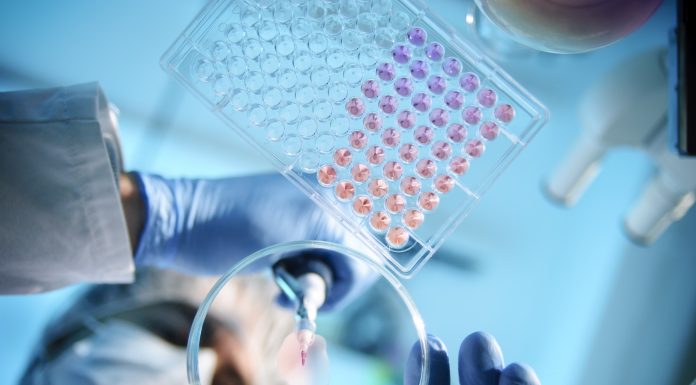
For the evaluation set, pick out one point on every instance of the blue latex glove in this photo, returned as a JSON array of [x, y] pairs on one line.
[[205, 226], [480, 363]]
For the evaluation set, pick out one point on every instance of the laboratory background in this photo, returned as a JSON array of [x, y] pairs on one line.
[[560, 261]]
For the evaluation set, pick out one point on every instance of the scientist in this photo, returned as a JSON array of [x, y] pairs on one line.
[[69, 215]]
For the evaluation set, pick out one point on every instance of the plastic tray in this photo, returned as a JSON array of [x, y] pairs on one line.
[[308, 83]]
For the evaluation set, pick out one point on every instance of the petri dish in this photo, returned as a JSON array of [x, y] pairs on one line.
[[370, 337]]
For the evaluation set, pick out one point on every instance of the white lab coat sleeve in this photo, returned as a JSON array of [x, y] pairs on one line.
[[61, 220]]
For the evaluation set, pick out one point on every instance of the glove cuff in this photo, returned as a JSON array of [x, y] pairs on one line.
[[157, 246]]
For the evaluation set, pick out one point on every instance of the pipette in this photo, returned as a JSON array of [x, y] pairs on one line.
[[308, 292]]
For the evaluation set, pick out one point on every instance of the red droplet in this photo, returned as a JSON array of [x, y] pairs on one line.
[[303, 355]]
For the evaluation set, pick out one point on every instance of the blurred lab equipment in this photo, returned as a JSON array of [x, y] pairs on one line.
[[628, 107], [681, 96], [568, 26], [497, 43]]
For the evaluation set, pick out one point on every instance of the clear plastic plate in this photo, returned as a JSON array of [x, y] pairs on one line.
[[367, 341], [376, 109]]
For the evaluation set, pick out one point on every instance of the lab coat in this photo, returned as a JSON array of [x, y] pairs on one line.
[[61, 220]]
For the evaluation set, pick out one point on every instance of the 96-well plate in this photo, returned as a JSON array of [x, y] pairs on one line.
[[371, 107]]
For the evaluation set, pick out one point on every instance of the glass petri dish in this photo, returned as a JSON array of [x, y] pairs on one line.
[[367, 340]]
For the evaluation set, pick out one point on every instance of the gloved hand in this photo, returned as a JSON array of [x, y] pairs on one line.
[[480, 363], [199, 226]]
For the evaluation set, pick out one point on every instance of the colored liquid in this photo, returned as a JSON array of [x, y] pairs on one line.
[[568, 26]]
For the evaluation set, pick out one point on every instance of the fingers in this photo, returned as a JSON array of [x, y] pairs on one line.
[[519, 374], [480, 360], [439, 363], [480, 363]]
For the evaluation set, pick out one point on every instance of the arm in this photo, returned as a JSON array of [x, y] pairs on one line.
[[205, 226]]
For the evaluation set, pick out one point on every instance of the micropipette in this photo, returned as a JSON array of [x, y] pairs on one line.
[[308, 292]]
